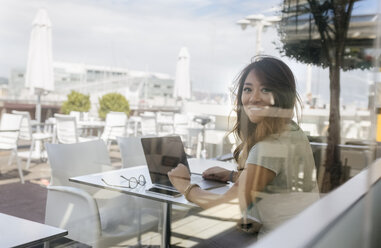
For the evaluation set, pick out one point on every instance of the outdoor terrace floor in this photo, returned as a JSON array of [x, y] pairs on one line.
[[214, 227]]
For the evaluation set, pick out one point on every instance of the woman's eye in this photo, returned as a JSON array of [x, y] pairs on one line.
[[265, 90], [247, 89]]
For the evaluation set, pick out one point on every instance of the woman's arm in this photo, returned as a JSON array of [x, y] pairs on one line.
[[180, 178], [218, 174], [206, 199], [254, 178]]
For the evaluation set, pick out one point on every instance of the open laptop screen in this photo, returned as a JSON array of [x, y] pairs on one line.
[[162, 155]]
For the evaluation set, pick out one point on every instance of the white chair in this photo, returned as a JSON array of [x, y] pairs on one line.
[[148, 125], [76, 114], [95, 217], [165, 123], [132, 154], [131, 151], [9, 133], [36, 139], [133, 124], [116, 123], [66, 130]]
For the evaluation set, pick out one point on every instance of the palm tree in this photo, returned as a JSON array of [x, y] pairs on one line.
[[316, 32]]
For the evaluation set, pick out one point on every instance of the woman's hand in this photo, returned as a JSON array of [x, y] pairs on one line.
[[217, 173], [180, 177]]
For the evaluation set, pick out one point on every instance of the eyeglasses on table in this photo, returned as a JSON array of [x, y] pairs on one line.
[[133, 182]]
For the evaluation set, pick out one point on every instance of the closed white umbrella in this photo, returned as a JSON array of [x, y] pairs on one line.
[[39, 70], [182, 87]]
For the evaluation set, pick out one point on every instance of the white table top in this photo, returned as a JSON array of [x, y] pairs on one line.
[[17, 232], [113, 177]]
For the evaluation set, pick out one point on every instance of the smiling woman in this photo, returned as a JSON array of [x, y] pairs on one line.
[[256, 98], [272, 152]]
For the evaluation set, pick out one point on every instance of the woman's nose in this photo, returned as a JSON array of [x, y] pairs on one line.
[[255, 96]]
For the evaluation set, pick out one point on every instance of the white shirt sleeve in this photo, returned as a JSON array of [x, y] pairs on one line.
[[268, 154]]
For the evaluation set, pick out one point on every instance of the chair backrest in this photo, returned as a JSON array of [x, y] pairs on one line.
[[148, 125], [116, 123], [26, 128], [10, 122], [66, 129], [76, 114], [71, 160], [131, 151], [165, 123], [70, 208]]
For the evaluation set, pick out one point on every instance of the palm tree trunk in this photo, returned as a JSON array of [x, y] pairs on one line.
[[332, 164]]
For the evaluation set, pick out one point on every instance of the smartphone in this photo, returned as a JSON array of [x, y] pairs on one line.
[[164, 192]]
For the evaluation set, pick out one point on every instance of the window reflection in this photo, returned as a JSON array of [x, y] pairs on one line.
[[280, 159]]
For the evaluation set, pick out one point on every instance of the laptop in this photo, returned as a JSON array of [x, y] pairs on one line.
[[162, 155]]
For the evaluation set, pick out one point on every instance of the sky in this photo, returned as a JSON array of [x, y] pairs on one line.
[[147, 35]]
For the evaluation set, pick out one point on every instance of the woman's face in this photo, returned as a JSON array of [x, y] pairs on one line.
[[256, 98]]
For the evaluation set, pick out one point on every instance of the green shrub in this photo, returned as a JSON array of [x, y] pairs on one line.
[[113, 102], [76, 102]]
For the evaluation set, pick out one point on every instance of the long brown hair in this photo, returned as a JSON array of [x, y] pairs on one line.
[[279, 79]]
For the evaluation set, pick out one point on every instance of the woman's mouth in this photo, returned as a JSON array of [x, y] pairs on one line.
[[255, 108], [269, 111]]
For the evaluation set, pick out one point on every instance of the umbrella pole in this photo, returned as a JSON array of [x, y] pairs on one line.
[[38, 111], [37, 144]]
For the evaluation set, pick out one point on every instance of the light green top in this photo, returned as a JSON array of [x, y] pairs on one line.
[[294, 187]]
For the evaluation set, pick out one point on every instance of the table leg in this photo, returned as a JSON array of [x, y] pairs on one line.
[[166, 230], [139, 227]]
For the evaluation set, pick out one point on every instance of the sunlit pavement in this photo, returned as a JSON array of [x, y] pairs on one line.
[[192, 228]]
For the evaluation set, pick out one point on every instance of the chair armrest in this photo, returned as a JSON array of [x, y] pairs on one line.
[[76, 191], [75, 210]]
